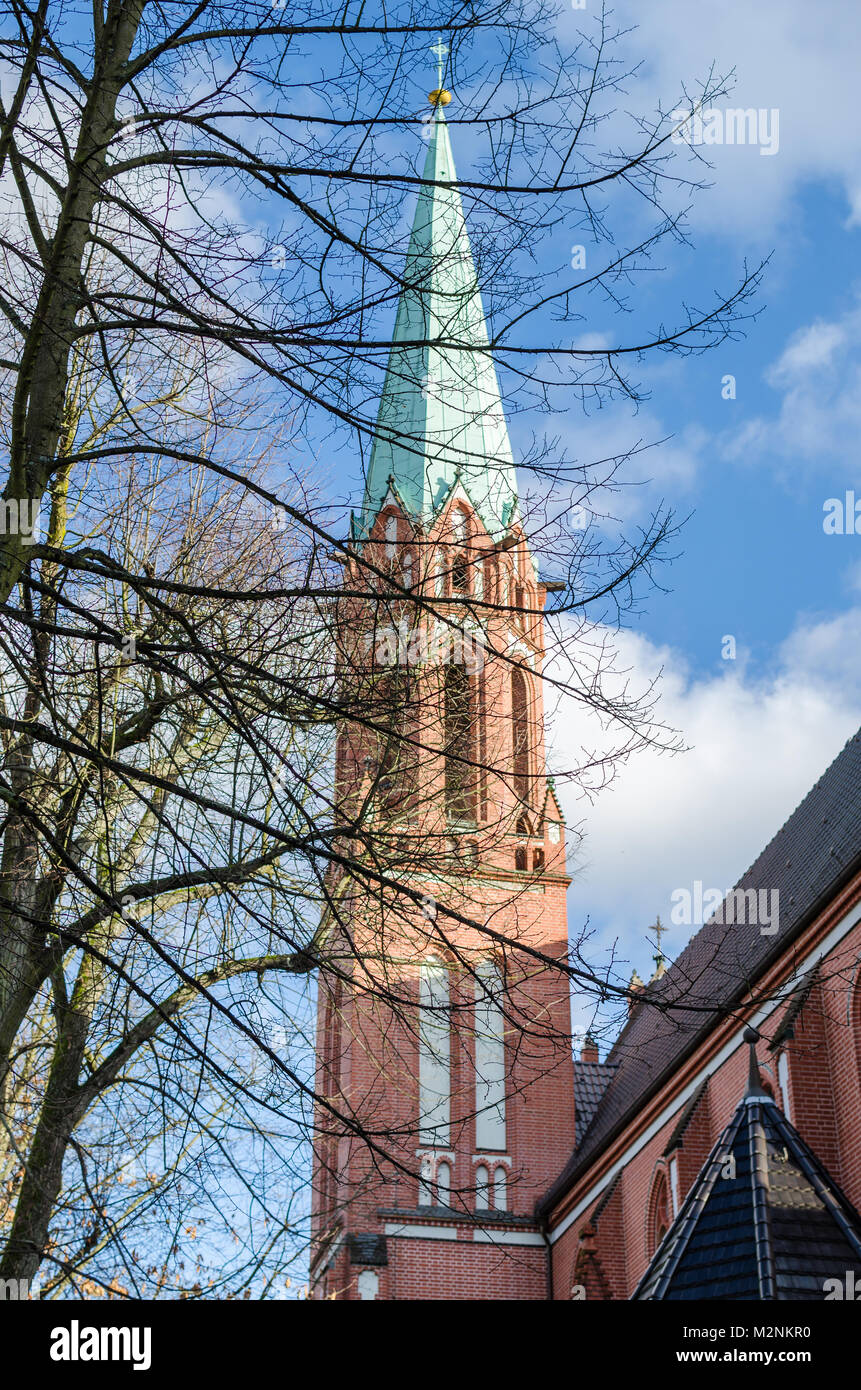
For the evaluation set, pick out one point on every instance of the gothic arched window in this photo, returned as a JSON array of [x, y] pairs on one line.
[[460, 525], [460, 573], [520, 854], [459, 741], [520, 734], [659, 1211], [443, 1184], [482, 1186], [500, 1190], [490, 579]]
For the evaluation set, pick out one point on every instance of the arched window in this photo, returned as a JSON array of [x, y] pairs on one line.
[[439, 579], [520, 734], [783, 1082], [407, 571], [391, 535], [460, 573], [659, 1211], [426, 1182], [443, 1184], [489, 1059], [434, 1054], [490, 579], [459, 744], [481, 770], [500, 1190], [396, 750], [520, 854], [674, 1184], [460, 525], [482, 1186], [538, 859]]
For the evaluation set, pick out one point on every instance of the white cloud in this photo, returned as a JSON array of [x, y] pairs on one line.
[[758, 742], [818, 417], [810, 349], [799, 59]]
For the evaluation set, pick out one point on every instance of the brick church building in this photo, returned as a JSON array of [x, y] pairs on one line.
[[715, 1151]]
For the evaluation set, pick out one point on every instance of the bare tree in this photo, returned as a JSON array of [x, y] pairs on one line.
[[179, 648]]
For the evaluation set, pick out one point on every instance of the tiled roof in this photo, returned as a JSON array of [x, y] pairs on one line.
[[590, 1082], [763, 1220], [809, 859]]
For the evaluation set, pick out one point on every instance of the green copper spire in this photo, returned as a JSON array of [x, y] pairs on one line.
[[441, 418]]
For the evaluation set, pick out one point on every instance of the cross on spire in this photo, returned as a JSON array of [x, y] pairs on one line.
[[440, 49], [659, 931]]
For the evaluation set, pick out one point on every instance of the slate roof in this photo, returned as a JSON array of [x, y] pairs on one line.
[[590, 1082], [763, 1221], [810, 858]]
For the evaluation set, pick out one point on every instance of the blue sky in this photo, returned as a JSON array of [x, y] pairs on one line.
[[754, 472]]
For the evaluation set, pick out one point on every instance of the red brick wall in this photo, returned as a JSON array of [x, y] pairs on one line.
[[376, 1076]]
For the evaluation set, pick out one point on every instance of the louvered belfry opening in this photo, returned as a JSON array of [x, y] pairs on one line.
[[520, 735], [459, 733]]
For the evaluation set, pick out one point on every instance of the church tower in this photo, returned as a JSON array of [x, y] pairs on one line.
[[444, 1060]]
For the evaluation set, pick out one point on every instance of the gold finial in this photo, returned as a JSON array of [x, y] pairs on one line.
[[440, 97]]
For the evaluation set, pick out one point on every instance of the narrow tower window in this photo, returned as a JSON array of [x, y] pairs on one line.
[[520, 735], [500, 1190], [660, 1222], [460, 573], [426, 1183], [391, 535], [434, 1055], [490, 580], [674, 1184], [482, 1185], [489, 1060], [783, 1082], [443, 1184], [459, 751]]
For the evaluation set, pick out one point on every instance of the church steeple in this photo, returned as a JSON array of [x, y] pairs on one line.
[[441, 417]]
